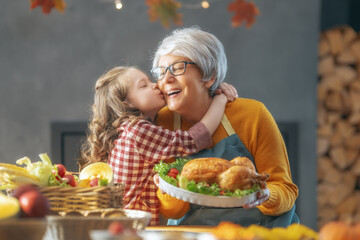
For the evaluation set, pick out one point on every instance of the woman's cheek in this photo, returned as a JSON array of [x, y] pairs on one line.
[[160, 85]]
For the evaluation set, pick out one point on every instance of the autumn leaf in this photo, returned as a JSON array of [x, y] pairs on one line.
[[35, 3], [243, 11], [60, 5], [47, 5], [165, 11]]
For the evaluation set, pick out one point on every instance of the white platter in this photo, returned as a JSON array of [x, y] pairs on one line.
[[205, 200]]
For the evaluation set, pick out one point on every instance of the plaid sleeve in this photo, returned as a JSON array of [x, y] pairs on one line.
[[154, 143]]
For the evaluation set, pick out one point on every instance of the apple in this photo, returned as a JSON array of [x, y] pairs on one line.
[[116, 228], [34, 204], [23, 189]]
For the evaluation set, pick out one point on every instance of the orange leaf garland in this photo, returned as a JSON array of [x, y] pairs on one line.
[[34, 4], [243, 11], [60, 5], [165, 11], [47, 5]]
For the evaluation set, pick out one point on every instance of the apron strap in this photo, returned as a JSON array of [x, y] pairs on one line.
[[177, 121], [224, 121], [227, 125]]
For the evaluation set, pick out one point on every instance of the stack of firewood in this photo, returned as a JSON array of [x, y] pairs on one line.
[[338, 125]]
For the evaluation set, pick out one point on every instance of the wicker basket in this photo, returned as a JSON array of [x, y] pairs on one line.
[[79, 227], [68, 199]]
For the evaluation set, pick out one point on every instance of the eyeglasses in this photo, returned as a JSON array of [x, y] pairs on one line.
[[175, 69]]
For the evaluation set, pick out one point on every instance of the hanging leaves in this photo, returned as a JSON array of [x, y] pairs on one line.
[[60, 5], [47, 5], [243, 11], [164, 10]]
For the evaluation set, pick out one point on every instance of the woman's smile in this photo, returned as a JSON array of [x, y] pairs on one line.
[[173, 93]]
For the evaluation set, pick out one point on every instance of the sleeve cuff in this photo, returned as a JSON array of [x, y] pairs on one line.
[[201, 136], [272, 205], [272, 201]]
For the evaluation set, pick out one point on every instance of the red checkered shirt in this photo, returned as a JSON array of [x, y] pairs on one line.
[[138, 148]]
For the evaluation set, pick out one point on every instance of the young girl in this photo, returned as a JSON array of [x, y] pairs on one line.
[[122, 134]]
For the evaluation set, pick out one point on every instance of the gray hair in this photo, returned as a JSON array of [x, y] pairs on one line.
[[201, 47]]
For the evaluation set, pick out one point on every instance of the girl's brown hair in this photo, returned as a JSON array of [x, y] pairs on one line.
[[109, 111]]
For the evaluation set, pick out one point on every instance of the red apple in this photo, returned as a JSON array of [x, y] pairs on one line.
[[23, 189], [34, 204], [116, 228]]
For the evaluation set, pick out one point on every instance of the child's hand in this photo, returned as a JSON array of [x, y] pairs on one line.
[[156, 180], [227, 89], [221, 98]]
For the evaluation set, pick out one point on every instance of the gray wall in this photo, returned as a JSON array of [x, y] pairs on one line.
[[49, 65]]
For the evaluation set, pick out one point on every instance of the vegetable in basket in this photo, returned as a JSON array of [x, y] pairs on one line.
[[96, 174], [12, 176], [41, 169], [42, 173]]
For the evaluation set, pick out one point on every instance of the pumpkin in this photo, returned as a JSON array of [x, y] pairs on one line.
[[338, 230]]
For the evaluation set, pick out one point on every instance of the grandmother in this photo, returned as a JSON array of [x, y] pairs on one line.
[[189, 65]]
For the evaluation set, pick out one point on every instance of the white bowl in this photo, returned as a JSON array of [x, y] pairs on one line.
[[203, 199]]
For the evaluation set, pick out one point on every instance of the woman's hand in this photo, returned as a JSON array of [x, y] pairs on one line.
[[261, 197], [227, 89]]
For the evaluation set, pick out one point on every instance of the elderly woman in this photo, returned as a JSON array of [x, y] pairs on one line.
[[189, 65]]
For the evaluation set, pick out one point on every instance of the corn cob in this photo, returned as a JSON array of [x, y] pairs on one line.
[[13, 167], [12, 176]]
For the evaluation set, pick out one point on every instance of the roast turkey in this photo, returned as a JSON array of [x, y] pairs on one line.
[[239, 173]]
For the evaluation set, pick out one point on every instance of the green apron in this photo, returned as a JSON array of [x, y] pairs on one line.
[[229, 148]]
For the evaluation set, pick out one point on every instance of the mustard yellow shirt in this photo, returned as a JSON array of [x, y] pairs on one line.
[[257, 129]]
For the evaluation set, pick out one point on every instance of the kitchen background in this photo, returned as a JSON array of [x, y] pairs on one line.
[[49, 64]]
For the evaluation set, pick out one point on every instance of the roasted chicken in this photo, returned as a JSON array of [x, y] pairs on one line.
[[243, 161], [239, 173], [205, 169]]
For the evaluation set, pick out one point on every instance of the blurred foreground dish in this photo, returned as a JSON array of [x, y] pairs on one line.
[[231, 231], [20, 229], [80, 226]]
